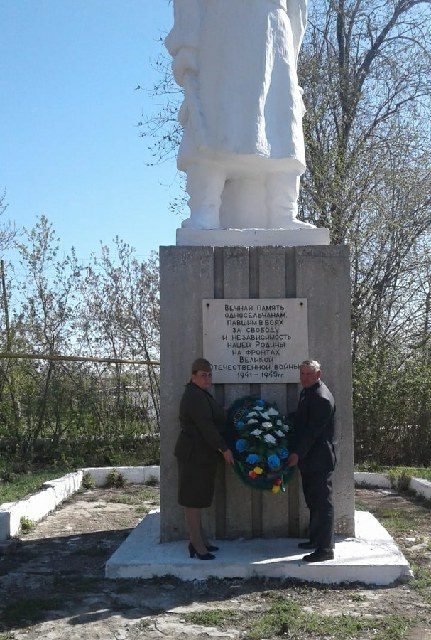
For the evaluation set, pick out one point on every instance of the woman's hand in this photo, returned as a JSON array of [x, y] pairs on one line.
[[228, 457], [292, 460]]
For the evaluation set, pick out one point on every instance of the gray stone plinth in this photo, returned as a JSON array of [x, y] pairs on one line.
[[190, 274]]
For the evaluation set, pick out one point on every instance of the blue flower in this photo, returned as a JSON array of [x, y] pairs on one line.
[[283, 453], [273, 461], [241, 445], [239, 424], [260, 403], [252, 458]]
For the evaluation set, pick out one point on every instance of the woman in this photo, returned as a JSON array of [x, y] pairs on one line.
[[198, 449]]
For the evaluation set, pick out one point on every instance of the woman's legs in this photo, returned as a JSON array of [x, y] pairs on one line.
[[194, 525]]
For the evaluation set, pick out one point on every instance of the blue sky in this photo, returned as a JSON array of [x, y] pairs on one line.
[[70, 147]]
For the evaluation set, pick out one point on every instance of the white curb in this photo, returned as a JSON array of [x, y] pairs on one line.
[[55, 491]]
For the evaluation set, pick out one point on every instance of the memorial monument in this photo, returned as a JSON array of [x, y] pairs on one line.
[[248, 285]]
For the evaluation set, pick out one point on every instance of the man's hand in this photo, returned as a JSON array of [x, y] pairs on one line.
[[292, 460], [228, 457]]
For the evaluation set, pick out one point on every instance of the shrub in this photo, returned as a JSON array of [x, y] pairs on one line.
[[115, 479], [88, 481], [26, 525]]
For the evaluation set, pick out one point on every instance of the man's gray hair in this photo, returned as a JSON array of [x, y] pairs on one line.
[[311, 364]]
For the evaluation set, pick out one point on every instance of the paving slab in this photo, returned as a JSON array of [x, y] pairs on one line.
[[372, 557]]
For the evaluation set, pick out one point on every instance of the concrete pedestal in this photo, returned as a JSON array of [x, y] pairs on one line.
[[321, 275]]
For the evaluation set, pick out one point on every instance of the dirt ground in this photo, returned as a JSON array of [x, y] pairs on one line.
[[52, 584]]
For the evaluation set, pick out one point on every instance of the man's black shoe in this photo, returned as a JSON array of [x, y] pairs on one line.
[[319, 556], [306, 545]]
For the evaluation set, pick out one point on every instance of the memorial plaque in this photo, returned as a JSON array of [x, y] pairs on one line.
[[255, 340]]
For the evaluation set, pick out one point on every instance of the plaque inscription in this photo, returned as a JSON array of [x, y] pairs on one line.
[[255, 340]]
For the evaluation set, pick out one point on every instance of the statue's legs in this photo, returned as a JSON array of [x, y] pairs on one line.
[[282, 190], [205, 184]]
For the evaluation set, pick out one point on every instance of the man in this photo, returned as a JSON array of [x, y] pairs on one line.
[[242, 111], [313, 452]]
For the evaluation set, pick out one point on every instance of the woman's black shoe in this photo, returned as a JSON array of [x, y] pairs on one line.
[[211, 547], [200, 556]]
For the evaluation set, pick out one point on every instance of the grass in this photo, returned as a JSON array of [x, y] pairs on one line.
[[144, 624], [422, 581], [142, 495], [397, 520], [29, 610], [285, 618], [210, 618], [397, 471], [21, 485]]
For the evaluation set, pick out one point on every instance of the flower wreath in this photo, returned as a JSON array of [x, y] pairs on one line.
[[260, 440]]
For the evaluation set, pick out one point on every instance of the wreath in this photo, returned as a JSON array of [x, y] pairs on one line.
[[260, 441]]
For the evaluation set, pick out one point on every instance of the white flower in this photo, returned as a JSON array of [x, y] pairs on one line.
[[279, 423], [280, 433], [272, 412], [253, 413], [256, 432], [286, 427], [266, 425], [252, 421], [265, 415], [269, 438]]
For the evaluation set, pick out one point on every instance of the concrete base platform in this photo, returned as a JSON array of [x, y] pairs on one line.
[[370, 558], [302, 236]]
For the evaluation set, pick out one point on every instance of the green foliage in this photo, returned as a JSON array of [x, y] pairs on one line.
[[88, 481], [26, 525], [152, 481], [392, 409], [115, 479], [79, 413]]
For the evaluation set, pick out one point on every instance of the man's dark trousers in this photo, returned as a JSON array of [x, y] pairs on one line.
[[317, 488]]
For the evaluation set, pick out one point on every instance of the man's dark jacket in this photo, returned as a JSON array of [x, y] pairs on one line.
[[314, 429]]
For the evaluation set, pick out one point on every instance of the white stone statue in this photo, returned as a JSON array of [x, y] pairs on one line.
[[242, 146]]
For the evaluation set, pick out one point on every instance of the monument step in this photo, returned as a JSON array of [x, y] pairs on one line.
[[372, 557]]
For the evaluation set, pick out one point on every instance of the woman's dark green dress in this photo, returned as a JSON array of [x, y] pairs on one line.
[[198, 446]]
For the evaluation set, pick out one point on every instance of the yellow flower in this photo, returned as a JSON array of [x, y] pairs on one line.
[[275, 488], [258, 470]]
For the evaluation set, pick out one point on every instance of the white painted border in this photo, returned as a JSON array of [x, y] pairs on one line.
[[53, 492]]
